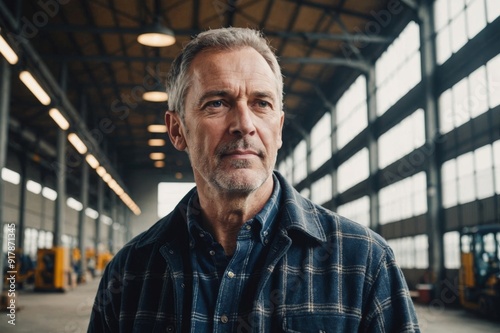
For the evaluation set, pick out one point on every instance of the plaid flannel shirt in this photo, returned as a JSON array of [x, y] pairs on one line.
[[322, 273]]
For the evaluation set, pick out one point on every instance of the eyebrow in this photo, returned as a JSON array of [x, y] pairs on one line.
[[211, 93], [223, 93]]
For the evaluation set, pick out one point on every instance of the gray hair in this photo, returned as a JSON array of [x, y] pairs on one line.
[[178, 79]]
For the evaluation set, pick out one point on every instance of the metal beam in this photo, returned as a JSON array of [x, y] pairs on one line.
[[331, 36], [336, 9], [104, 58], [361, 65]]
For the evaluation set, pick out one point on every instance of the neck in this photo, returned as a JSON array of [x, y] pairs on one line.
[[224, 213]]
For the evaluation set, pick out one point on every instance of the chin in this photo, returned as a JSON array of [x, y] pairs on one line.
[[241, 181]]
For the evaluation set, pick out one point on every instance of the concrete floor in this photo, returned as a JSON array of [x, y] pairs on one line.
[[69, 313]]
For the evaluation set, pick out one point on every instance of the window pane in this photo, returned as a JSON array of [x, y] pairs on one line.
[[465, 167], [496, 162], [446, 111], [351, 112], [458, 33], [484, 172], [321, 190], [443, 45], [493, 9], [493, 69], [461, 102], [357, 210], [478, 88], [451, 250], [353, 171], [456, 6], [449, 179], [476, 18], [441, 14]]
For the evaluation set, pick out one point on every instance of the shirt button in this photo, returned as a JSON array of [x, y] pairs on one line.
[[171, 251], [212, 252], [266, 241], [230, 274], [224, 319], [265, 233], [248, 227], [170, 328]]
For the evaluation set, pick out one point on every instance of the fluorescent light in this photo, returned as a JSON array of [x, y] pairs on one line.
[[75, 204], [107, 178], [118, 190], [156, 36], [56, 115], [155, 96], [101, 171], [49, 193], [92, 161], [8, 52], [106, 219], [157, 129], [33, 187], [157, 156], [91, 213], [156, 142], [112, 183], [159, 164], [11, 176], [77, 143], [34, 87]]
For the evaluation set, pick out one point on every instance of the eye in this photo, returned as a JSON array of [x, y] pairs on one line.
[[263, 104], [215, 104]]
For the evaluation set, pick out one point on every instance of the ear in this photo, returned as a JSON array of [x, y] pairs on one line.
[[280, 135], [175, 130]]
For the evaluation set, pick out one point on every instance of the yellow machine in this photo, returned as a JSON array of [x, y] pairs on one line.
[[103, 259], [53, 270], [479, 279]]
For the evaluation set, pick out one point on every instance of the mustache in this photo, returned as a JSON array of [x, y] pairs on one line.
[[239, 144]]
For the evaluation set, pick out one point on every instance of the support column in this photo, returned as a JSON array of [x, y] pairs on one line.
[[84, 188], [111, 234], [128, 235], [4, 129], [22, 202], [60, 173], [372, 144], [432, 137], [60, 188], [100, 210]]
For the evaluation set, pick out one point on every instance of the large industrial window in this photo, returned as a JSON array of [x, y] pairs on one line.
[[471, 176], [357, 210], [169, 195], [321, 190], [457, 21], [351, 112], [286, 168], [470, 97], [398, 69], [452, 250], [403, 199], [321, 143], [11, 176], [411, 252], [402, 139], [353, 171], [300, 162]]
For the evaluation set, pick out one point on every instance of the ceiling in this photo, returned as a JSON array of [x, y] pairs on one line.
[[90, 47]]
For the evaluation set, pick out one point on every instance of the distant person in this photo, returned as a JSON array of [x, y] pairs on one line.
[[243, 251]]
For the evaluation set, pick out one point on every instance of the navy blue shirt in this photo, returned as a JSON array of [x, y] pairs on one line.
[[319, 272], [223, 285]]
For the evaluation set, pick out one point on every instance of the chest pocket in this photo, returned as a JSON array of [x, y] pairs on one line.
[[314, 323]]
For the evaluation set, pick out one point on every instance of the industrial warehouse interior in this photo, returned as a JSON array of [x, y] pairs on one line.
[[392, 119]]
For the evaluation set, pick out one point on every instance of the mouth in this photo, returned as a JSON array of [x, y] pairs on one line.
[[240, 153]]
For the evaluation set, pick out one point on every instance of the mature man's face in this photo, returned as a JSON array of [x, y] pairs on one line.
[[232, 124]]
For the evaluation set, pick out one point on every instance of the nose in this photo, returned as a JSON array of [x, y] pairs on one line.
[[242, 120]]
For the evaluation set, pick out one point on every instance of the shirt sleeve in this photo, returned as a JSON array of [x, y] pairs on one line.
[[104, 316], [389, 307]]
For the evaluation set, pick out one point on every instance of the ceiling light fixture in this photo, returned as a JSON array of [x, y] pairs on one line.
[[157, 156], [156, 96], [156, 35], [32, 84], [156, 142], [56, 115], [159, 164], [92, 161], [77, 143], [101, 171], [8, 52], [157, 129]]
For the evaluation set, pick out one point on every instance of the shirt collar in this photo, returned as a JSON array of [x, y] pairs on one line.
[[264, 217]]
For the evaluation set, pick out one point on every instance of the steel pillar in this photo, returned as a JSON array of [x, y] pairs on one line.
[[22, 201], [372, 144], [434, 211], [100, 210], [5, 84], [84, 197]]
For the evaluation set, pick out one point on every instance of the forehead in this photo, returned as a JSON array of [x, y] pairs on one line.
[[211, 68]]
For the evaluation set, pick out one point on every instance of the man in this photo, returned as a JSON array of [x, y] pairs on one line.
[[243, 251]]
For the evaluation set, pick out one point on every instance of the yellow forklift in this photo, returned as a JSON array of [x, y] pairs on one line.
[[479, 277]]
